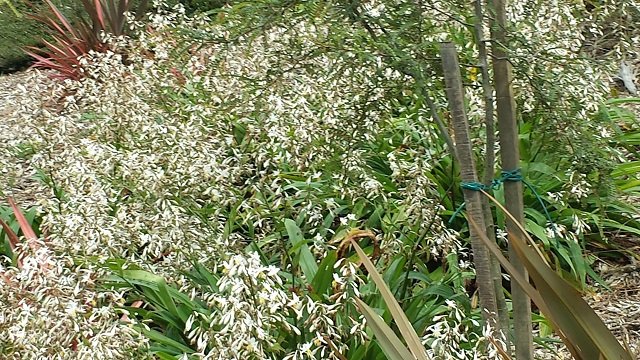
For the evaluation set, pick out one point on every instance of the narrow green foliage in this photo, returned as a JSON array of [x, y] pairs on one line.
[[165, 306], [406, 328], [388, 340], [578, 325]]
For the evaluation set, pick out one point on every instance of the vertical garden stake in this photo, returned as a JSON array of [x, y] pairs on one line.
[[510, 155], [489, 163], [481, 258]]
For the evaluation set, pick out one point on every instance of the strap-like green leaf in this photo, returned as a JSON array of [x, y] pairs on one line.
[[404, 325], [387, 339], [164, 340], [324, 276], [583, 331]]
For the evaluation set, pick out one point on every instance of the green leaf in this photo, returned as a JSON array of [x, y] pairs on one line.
[[142, 276], [166, 299], [164, 340], [306, 260], [538, 231], [206, 277], [170, 318], [597, 278], [564, 253], [324, 276], [616, 225], [536, 216], [618, 101], [404, 325], [580, 264], [630, 168], [388, 340], [184, 311], [358, 353], [394, 271]]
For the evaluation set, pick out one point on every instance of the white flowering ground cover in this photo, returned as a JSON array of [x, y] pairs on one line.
[[146, 162], [180, 153]]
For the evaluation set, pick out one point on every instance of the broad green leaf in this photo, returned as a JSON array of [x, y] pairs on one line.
[[142, 276], [444, 291], [616, 225], [166, 299], [536, 215], [358, 353], [538, 231], [597, 278], [415, 275], [148, 282], [564, 253], [394, 272], [630, 168], [578, 259], [164, 316], [164, 340], [184, 311], [324, 276], [207, 276], [306, 260], [542, 168], [618, 101]]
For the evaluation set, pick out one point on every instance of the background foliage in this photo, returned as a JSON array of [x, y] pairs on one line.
[[18, 32]]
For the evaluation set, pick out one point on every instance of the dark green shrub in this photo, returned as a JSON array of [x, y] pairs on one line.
[[18, 32], [193, 6]]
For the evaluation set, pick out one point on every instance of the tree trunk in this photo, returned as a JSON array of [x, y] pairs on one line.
[[472, 198], [510, 155]]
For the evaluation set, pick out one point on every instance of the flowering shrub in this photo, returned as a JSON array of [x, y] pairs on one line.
[[49, 310], [162, 161], [202, 151]]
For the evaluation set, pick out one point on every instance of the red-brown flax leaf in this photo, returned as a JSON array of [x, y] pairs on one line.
[[99, 13], [26, 228], [61, 18], [13, 238]]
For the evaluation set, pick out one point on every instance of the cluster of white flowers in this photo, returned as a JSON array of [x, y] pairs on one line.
[[455, 336], [49, 310], [143, 158], [248, 312], [548, 50], [252, 313]]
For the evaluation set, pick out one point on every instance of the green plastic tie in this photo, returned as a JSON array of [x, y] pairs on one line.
[[511, 175]]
